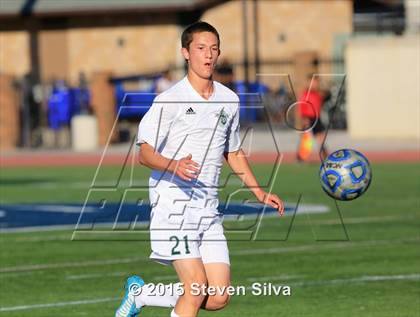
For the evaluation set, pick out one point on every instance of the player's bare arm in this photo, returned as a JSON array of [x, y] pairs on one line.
[[185, 168], [239, 164]]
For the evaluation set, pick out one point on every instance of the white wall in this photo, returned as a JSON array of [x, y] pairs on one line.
[[383, 87], [412, 16]]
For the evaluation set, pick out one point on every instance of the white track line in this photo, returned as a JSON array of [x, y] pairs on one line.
[[308, 247], [361, 279]]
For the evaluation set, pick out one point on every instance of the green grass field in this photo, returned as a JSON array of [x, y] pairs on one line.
[[375, 273]]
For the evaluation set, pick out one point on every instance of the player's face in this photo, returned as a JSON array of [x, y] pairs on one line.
[[202, 54]]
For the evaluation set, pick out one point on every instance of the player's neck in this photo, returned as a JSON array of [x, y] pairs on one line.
[[203, 86]]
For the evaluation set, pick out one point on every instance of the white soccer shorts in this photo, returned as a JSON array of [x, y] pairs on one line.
[[189, 232]]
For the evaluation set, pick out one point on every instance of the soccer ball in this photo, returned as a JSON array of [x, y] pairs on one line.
[[345, 174]]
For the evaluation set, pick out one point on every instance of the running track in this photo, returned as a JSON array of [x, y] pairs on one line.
[[89, 159]]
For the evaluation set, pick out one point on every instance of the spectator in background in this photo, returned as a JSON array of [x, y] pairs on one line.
[[165, 81], [83, 94], [31, 110], [224, 74], [278, 101], [310, 107]]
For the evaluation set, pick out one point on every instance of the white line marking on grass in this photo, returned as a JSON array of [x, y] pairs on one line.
[[116, 274], [361, 279], [273, 278], [361, 220], [37, 267], [165, 277], [347, 221], [104, 225], [320, 246], [94, 275], [307, 247], [59, 304], [303, 209], [63, 237]]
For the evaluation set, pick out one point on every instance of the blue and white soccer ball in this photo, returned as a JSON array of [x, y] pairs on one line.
[[345, 174]]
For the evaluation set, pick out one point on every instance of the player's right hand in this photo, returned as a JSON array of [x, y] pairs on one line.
[[186, 168]]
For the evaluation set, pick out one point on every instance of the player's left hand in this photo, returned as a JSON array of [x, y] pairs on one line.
[[271, 200]]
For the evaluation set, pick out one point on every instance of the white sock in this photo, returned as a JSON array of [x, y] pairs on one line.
[[158, 295], [173, 314]]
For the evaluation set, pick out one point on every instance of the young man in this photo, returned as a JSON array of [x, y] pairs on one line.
[[183, 139]]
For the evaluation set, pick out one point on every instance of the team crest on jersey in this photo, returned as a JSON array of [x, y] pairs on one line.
[[223, 117]]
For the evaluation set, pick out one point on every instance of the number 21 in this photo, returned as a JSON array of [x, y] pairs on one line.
[[176, 239]]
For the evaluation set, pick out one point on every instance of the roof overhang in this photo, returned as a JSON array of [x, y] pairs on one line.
[[15, 14]]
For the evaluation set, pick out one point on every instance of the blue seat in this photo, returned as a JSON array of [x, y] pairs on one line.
[[133, 104], [250, 100], [64, 103]]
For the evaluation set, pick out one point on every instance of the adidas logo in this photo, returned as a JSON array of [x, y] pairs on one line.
[[190, 111]]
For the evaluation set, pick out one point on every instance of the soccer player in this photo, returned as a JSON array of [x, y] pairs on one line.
[[310, 107], [183, 139]]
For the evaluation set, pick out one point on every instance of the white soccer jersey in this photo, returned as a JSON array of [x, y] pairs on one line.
[[181, 122]]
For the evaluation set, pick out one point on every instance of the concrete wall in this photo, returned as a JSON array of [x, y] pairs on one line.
[[122, 50], [286, 27], [9, 114], [53, 54], [412, 16], [383, 87], [14, 53]]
